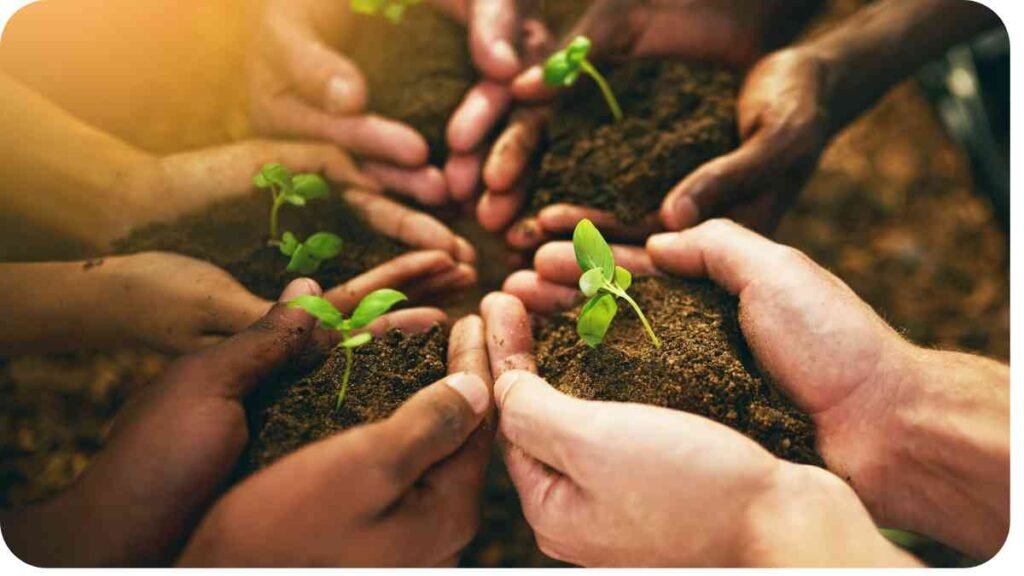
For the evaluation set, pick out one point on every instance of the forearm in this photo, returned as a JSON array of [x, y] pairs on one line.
[[60, 173], [885, 43], [947, 468], [809, 517], [57, 306]]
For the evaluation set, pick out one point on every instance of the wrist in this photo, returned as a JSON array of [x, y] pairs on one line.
[[807, 516]]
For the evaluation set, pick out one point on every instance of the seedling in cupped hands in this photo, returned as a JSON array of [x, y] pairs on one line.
[[373, 306], [306, 257], [286, 188], [602, 282], [564, 67], [393, 10]]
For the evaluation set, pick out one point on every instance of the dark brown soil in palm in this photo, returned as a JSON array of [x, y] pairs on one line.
[[385, 373], [416, 72], [676, 117], [233, 235], [703, 366]]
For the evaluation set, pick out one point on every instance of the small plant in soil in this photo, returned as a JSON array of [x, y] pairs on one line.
[[393, 10], [306, 257], [603, 283], [373, 306], [286, 188], [564, 67]]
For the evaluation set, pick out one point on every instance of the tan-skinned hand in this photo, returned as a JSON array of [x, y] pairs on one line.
[[875, 399]]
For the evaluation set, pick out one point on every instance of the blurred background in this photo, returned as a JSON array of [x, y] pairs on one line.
[[910, 207]]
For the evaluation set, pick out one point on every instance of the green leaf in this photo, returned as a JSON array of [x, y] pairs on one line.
[[303, 261], [366, 6], [577, 50], [294, 199], [591, 281], [374, 305], [289, 243], [591, 249], [595, 318], [323, 245], [357, 340], [277, 175], [623, 278], [394, 12], [310, 186], [558, 72], [260, 181], [320, 309]]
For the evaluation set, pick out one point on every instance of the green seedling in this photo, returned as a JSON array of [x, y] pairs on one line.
[[373, 306], [393, 10], [564, 67], [602, 282], [287, 188], [306, 257]]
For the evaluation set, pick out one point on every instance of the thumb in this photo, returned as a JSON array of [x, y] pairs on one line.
[[542, 422], [232, 368], [718, 184], [320, 74]]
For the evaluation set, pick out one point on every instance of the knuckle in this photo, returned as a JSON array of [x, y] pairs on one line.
[[720, 226]]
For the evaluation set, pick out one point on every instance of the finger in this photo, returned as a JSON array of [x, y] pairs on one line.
[[428, 428], [367, 135], [541, 421], [480, 110], [335, 164], [721, 250], [409, 225], [530, 87], [563, 218], [235, 366], [412, 321], [495, 211], [556, 262], [492, 29], [539, 296], [462, 172], [467, 348], [514, 148], [714, 186], [444, 285], [509, 339], [426, 184], [526, 234], [316, 71], [402, 270]]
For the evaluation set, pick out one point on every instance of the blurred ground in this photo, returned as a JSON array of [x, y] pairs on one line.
[[892, 211]]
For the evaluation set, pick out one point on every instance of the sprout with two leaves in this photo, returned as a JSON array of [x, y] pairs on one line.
[[287, 188], [393, 10], [306, 257], [564, 67], [373, 306], [603, 283]]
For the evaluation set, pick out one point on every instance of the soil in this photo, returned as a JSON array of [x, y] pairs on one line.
[[676, 117], [385, 373], [704, 365], [417, 71], [233, 235]]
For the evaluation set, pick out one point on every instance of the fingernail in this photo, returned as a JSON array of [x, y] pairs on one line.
[[299, 287], [472, 388], [504, 385], [339, 95], [661, 242]]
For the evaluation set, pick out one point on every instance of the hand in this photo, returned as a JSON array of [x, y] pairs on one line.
[[401, 492], [868, 391], [169, 452], [179, 304], [300, 86], [609, 484], [732, 33]]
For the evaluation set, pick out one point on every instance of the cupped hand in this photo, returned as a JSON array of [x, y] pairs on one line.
[[610, 484], [404, 491], [300, 86], [178, 304], [825, 347]]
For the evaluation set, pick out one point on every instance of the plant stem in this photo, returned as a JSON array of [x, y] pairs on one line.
[[278, 201], [609, 96], [344, 379], [636, 308]]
